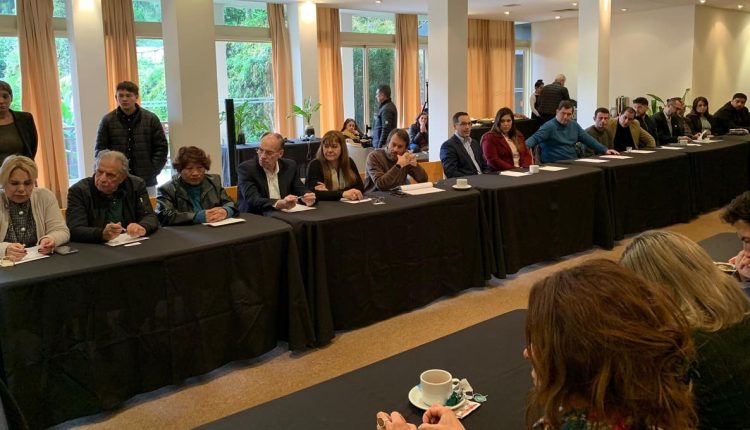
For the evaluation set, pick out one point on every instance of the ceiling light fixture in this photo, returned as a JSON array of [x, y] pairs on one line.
[[739, 6], [507, 12], [624, 9], [574, 4], [557, 16], [703, 1], [378, 1]]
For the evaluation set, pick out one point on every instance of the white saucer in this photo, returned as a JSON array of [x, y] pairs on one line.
[[456, 187], [415, 397]]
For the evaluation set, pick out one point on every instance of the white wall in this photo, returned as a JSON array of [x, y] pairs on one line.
[[652, 52], [554, 49], [722, 57]]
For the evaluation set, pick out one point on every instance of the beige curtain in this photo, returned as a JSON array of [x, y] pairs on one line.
[[41, 92], [330, 81], [119, 45], [490, 64], [283, 90], [407, 69]]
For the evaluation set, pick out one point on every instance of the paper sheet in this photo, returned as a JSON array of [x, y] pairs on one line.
[[417, 186], [592, 160], [32, 253], [513, 174], [694, 144], [616, 157], [673, 148], [641, 151], [299, 208], [124, 238], [552, 168], [707, 141], [355, 201], [419, 191], [226, 221]]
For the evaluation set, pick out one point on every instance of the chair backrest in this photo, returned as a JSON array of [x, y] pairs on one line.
[[232, 192], [359, 155], [434, 170]]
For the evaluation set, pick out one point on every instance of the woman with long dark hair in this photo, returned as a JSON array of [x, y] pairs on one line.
[[699, 119], [333, 174], [504, 147]]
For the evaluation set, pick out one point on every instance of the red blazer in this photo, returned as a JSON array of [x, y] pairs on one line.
[[497, 152]]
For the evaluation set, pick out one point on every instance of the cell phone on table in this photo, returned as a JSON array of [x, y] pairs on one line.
[[65, 250], [398, 193]]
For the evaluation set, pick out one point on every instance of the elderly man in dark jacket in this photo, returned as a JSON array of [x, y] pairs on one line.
[[111, 202], [135, 132], [385, 119]]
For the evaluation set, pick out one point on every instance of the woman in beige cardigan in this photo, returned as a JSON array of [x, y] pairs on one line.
[[29, 216]]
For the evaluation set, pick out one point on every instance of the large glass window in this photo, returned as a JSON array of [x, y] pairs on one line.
[[371, 67], [7, 7], [521, 88], [147, 10], [68, 113], [10, 68], [58, 9], [380, 24], [153, 87], [381, 63], [423, 79], [243, 13]]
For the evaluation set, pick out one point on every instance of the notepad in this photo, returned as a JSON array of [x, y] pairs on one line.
[[124, 238], [355, 201], [592, 160], [299, 208], [225, 221], [552, 168], [673, 148], [418, 189], [32, 253], [641, 151], [513, 174], [616, 157]]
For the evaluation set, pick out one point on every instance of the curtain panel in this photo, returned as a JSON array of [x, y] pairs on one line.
[[283, 90], [41, 92], [407, 69], [491, 69], [330, 81], [119, 45]]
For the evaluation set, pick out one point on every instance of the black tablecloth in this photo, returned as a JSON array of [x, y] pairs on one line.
[[487, 354], [647, 191], [544, 216], [301, 151], [83, 332], [363, 262]]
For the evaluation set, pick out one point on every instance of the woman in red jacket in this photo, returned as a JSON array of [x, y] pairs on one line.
[[504, 147]]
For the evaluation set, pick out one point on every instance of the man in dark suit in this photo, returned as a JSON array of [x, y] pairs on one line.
[[270, 182], [733, 114], [640, 104], [669, 125], [461, 155]]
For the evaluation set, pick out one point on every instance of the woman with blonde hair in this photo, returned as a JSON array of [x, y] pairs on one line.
[[29, 215], [333, 174], [718, 313]]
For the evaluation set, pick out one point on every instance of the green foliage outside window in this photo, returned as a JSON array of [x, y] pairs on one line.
[[376, 25], [245, 17], [147, 10]]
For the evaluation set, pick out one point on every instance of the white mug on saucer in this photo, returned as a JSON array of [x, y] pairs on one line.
[[534, 168], [437, 386], [462, 182]]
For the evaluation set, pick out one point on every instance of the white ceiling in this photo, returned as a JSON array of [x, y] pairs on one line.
[[526, 11]]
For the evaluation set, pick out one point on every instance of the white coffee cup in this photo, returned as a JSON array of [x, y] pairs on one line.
[[534, 168], [437, 386], [462, 182]]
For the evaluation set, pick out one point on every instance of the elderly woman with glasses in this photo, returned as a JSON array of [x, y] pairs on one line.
[[193, 196], [29, 216]]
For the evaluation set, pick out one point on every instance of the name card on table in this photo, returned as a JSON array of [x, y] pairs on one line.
[[226, 221], [673, 148], [616, 157], [641, 151], [417, 189], [355, 201], [552, 168], [299, 208]]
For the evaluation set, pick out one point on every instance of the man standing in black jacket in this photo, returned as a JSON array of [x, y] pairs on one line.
[[385, 119], [550, 97], [733, 114], [135, 132]]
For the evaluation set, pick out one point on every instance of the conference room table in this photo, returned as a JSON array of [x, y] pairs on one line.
[[540, 217], [81, 333], [645, 191], [488, 355], [301, 151], [366, 262]]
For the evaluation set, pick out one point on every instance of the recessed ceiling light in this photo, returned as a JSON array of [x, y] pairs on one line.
[[378, 1], [507, 12], [557, 16], [739, 6], [624, 9], [574, 4], [703, 1]]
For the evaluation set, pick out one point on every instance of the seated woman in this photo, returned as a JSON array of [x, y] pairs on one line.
[[608, 351], [503, 146], [699, 119], [29, 216], [418, 136], [332, 174], [351, 130], [193, 196], [717, 311]]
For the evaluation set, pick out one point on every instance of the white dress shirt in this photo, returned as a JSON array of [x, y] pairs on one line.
[[467, 147], [273, 182]]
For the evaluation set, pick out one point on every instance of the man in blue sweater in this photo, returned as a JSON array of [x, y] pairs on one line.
[[558, 137]]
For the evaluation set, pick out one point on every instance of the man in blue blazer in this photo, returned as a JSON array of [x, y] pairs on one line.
[[461, 155], [270, 182]]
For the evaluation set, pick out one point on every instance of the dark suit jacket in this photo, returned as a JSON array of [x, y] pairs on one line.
[[663, 136], [648, 124], [456, 162], [694, 121], [252, 185]]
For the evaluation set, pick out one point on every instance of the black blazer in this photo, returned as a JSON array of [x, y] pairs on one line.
[[694, 122], [24, 123], [648, 124], [252, 185], [663, 136], [456, 162], [315, 175]]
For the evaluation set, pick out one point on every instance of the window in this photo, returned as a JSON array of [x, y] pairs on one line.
[[381, 63], [7, 7], [10, 68], [243, 14], [58, 9], [423, 79], [153, 87], [375, 23], [147, 10], [370, 68], [521, 90], [72, 147]]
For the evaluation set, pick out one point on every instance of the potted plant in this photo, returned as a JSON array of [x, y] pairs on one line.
[[657, 103], [305, 112]]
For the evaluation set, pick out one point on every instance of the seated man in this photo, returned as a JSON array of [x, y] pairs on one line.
[[557, 137], [598, 131], [733, 114], [270, 182], [389, 168], [626, 132], [640, 104], [109, 203], [737, 213], [669, 125], [461, 155]]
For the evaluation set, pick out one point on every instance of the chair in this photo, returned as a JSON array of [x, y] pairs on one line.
[[232, 192], [359, 155], [434, 170]]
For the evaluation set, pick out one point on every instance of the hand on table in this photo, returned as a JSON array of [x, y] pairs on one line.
[[308, 199], [321, 187], [136, 230], [440, 418], [46, 245], [287, 202], [392, 421], [353, 194], [111, 231], [15, 251], [216, 214], [612, 152]]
